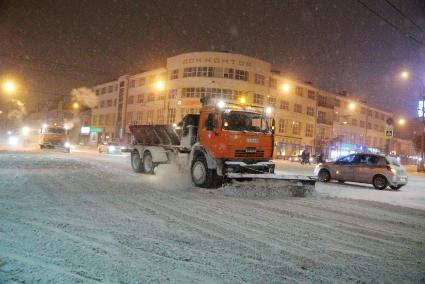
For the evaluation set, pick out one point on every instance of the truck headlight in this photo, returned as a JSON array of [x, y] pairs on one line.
[[67, 145], [13, 140]]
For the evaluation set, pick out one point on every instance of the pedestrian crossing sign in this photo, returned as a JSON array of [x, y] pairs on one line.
[[389, 133]]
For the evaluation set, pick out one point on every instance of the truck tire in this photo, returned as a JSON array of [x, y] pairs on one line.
[[136, 162], [202, 176], [148, 164]]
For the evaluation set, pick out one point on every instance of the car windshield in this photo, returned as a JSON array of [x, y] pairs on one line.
[[244, 121], [393, 161]]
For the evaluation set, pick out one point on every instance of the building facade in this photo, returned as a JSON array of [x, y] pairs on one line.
[[306, 117]]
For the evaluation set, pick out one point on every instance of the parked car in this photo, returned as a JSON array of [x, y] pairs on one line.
[[379, 170], [110, 147]]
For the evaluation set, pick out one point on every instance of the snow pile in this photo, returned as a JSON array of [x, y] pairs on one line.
[[263, 189]]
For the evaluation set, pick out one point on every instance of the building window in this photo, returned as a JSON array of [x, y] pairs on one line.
[[140, 98], [115, 102], [172, 94], [110, 88], [97, 92], [363, 110], [174, 74], [354, 122], [94, 120], [369, 125], [139, 116], [369, 112], [188, 92], [310, 111], [271, 101], [299, 91], [241, 75], [273, 83], [101, 120], [130, 100], [151, 97], [298, 108], [171, 117], [228, 73], [259, 79], [107, 119], [321, 116], [311, 94], [141, 81], [284, 105], [362, 123], [337, 102], [102, 104], [189, 72], [283, 126], [149, 117], [132, 84], [296, 128], [258, 99], [129, 117], [160, 116], [103, 91], [109, 103], [309, 130]]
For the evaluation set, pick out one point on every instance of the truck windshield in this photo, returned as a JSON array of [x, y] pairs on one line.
[[244, 121], [54, 130]]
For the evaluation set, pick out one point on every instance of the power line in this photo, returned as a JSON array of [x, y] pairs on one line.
[[404, 15], [408, 35]]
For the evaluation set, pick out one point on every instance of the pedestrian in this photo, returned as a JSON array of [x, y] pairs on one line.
[[320, 158], [303, 154], [307, 157]]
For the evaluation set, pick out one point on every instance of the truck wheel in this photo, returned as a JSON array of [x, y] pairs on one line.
[[204, 177], [136, 163], [148, 164]]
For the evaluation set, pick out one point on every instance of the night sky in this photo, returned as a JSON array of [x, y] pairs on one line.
[[53, 46]]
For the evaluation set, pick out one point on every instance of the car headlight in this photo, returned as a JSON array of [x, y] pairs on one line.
[[67, 145], [111, 148], [13, 140]]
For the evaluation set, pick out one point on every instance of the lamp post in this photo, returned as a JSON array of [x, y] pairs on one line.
[[421, 111]]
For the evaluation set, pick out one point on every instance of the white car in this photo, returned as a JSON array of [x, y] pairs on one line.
[[110, 148]]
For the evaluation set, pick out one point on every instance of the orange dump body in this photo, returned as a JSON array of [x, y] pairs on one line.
[[234, 144]]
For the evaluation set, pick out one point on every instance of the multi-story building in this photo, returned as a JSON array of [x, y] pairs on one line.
[[306, 117]]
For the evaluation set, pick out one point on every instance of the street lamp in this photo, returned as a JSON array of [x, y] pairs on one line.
[[401, 121], [285, 87], [9, 87], [405, 75], [159, 85], [76, 105], [352, 106]]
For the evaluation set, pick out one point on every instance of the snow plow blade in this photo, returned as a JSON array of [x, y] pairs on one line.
[[273, 184]]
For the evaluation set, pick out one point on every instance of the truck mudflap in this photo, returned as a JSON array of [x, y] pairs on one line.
[[297, 185]]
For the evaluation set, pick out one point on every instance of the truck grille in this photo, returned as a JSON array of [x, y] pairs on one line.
[[249, 153]]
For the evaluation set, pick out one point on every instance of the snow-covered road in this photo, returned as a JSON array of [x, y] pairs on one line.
[[84, 217]]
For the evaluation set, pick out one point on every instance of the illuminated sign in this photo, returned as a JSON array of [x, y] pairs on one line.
[[217, 61], [96, 129], [421, 108], [85, 130]]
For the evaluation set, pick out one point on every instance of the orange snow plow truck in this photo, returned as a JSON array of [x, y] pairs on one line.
[[224, 142]]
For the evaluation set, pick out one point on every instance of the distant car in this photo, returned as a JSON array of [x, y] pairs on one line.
[[294, 158], [379, 170], [110, 148]]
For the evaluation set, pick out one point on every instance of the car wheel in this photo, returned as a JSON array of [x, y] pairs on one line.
[[379, 182], [396, 187], [341, 181], [136, 162], [324, 175], [148, 164]]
